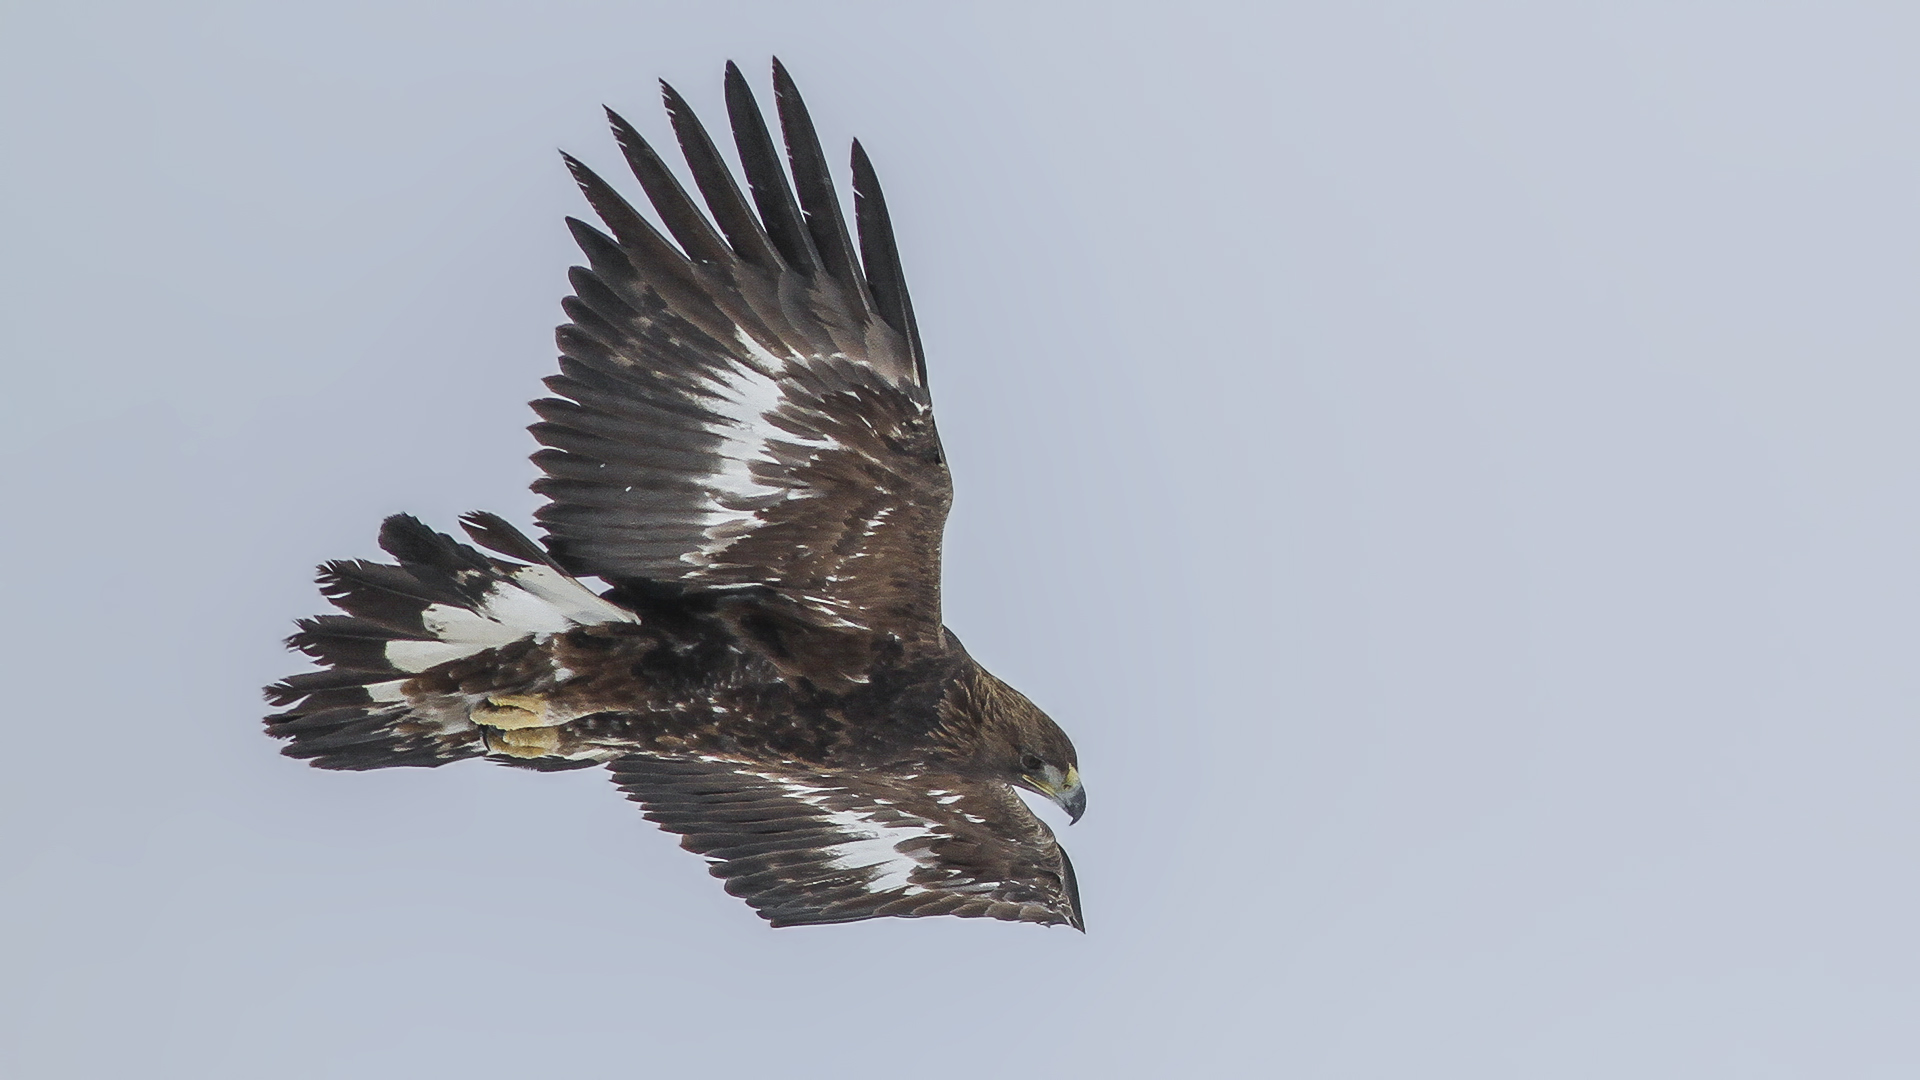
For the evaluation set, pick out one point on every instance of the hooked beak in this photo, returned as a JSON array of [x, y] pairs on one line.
[[1065, 790], [1074, 799]]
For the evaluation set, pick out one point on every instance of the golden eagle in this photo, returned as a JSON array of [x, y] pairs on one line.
[[741, 446]]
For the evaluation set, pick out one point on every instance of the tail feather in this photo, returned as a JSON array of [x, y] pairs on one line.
[[443, 602], [491, 531], [419, 548], [387, 596], [342, 641]]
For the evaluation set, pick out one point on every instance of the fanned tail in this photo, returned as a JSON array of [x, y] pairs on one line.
[[444, 602]]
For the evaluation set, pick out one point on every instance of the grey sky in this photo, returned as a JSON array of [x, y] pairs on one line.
[[1450, 467]]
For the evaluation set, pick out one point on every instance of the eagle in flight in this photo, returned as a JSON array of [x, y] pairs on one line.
[[740, 445]]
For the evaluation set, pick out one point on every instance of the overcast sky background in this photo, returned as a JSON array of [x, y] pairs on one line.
[[1451, 467]]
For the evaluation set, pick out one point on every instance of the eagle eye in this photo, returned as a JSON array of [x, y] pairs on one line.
[[1030, 763]]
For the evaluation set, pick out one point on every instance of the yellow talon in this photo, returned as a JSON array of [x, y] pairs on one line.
[[510, 711], [527, 742], [532, 703]]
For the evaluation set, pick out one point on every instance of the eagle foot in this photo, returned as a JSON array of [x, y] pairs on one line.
[[526, 742], [509, 712]]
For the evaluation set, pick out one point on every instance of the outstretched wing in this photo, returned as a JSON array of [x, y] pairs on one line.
[[750, 406], [811, 847]]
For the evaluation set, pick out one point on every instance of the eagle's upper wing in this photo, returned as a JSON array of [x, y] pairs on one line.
[[749, 407], [813, 847]]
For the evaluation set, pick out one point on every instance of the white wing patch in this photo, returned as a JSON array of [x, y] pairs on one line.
[[876, 846], [734, 494], [873, 838], [750, 395], [756, 350]]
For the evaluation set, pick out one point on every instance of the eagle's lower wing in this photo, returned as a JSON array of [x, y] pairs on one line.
[[749, 407], [813, 847]]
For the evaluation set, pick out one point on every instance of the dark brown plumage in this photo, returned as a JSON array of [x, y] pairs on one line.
[[741, 446]]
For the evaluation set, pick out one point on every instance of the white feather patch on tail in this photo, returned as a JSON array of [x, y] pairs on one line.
[[570, 598], [528, 601]]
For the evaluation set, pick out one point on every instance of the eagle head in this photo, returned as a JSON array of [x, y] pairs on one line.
[[1003, 736]]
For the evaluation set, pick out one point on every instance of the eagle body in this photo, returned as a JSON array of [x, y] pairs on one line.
[[741, 448]]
